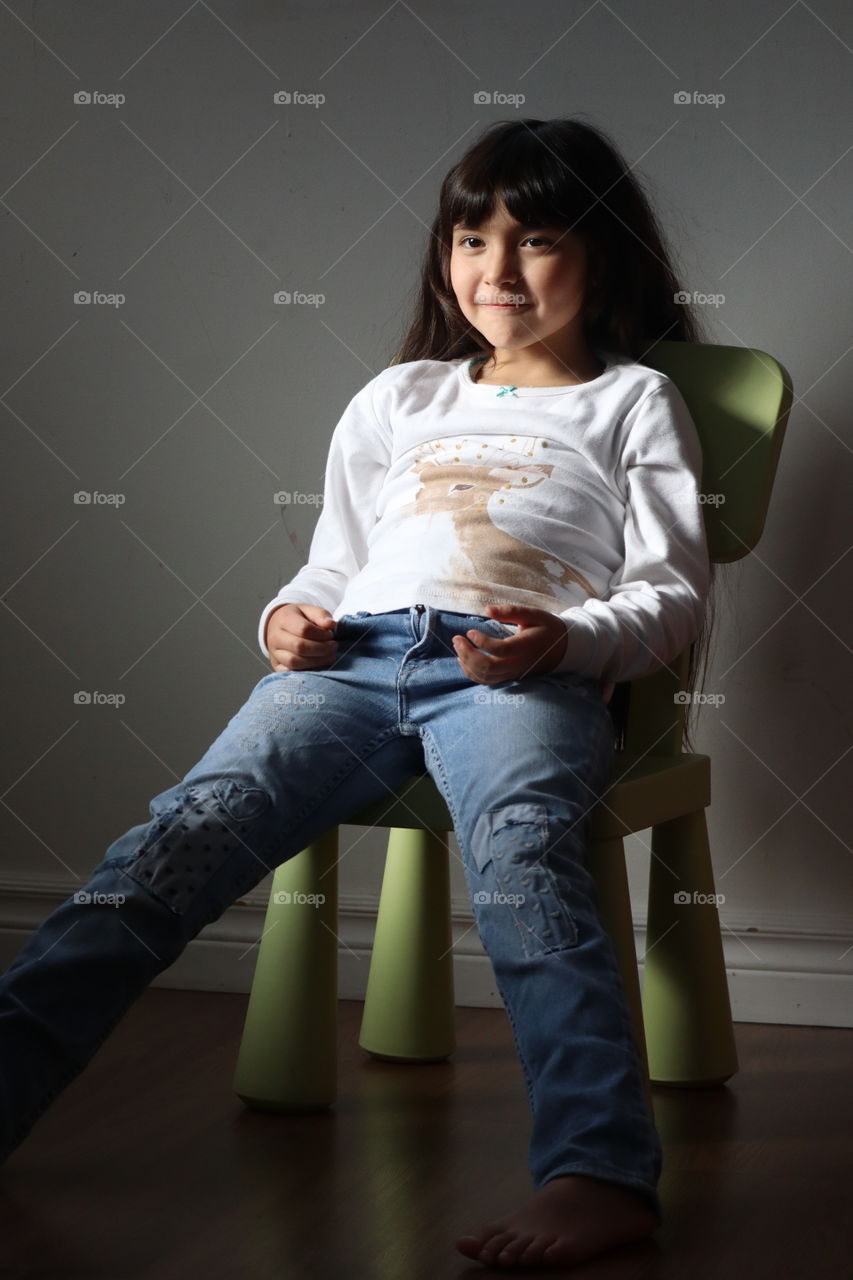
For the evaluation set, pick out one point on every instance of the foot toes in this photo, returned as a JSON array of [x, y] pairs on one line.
[[511, 1253], [533, 1254], [470, 1245], [494, 1245]]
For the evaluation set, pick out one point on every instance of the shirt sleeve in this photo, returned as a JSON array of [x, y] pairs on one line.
[[656, 601], [359, 457]]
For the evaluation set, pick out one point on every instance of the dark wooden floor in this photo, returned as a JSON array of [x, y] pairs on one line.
[[149, 1166]]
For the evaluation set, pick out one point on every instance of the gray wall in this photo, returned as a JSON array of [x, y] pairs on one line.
[[199, 398]]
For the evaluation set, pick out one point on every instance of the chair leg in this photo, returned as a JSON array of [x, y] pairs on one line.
[[686, 997], [288, 1053], [606, 863], [409, 1012]]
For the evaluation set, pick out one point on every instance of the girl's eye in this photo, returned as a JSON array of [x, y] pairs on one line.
[[539, 239]]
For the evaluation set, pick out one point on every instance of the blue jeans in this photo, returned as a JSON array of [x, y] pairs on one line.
[[520, 765]]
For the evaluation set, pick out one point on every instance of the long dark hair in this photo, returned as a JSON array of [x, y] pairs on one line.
[[570, 174]]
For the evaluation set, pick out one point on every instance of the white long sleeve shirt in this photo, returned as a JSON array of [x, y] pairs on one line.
[[582, 501]]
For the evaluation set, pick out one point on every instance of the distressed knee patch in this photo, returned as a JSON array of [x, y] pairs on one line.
[[510, 849], [197, 829]]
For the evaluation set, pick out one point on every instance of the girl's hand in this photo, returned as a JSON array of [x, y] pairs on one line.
[[301, 637], [538, 646]]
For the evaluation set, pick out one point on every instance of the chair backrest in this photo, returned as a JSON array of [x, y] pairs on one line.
[[739, 399]]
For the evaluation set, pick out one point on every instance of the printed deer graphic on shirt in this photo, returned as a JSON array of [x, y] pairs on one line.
[[464, 491]]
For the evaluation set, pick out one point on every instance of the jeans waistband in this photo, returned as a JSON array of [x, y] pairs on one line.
[[426, 619]]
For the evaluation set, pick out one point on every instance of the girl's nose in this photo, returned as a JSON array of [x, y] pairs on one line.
[[501, 273]]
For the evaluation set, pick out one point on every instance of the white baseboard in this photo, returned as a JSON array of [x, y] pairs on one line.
[[788, 971]]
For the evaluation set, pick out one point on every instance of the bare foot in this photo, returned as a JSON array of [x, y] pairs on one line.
[[568, 1220]]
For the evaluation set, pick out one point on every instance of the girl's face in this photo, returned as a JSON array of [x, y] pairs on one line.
[[538, 274]]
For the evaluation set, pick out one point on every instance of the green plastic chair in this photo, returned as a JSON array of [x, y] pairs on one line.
[[740, 399]]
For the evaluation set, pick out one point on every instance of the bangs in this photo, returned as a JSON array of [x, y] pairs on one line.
[[525, 174]]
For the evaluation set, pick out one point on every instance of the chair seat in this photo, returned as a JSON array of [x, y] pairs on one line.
[[417, 804], [645, 790]]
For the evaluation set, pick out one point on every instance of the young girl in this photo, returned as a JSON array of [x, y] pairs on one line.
[[510, 528]]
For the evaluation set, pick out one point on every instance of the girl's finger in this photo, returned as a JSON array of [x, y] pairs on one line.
[[480, 640]]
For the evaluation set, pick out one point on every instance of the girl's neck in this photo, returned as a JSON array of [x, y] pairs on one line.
[[501, 373]]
